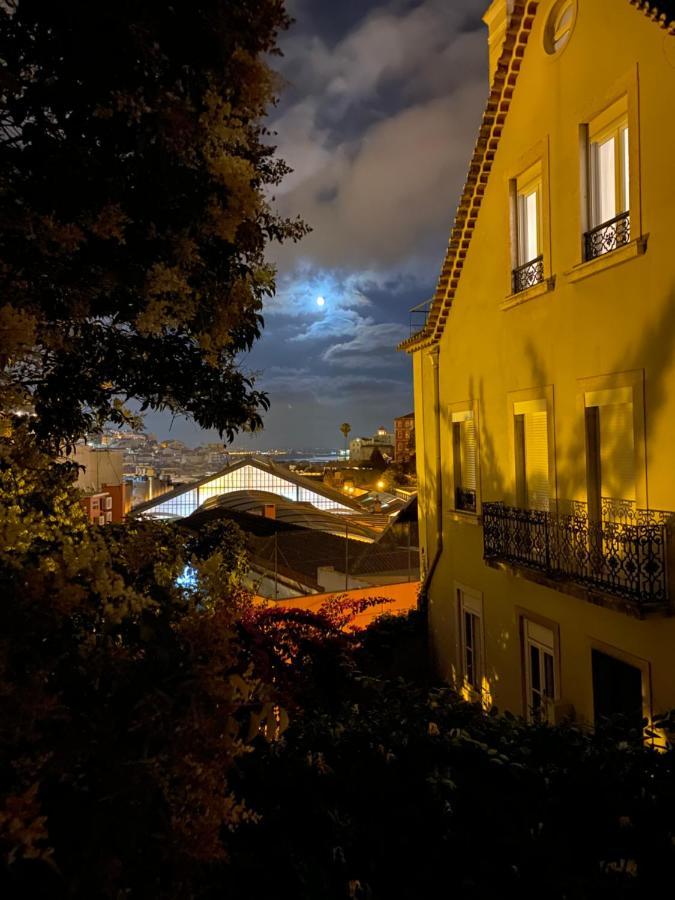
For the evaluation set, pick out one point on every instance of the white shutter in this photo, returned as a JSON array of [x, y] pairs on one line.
[[536, 460], [617, 451], [468, 454]]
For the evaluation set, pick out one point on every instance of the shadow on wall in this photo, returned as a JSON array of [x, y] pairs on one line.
[[653, 352]]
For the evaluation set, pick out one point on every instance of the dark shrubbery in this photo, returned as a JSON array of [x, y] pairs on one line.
[[398, 789]]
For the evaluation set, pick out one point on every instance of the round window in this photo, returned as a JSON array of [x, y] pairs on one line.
[[559, 25]]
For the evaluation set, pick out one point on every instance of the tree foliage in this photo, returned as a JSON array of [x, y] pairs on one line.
[[135, 170], [125, 697]]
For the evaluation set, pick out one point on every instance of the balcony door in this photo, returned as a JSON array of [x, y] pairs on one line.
[[610, 455]]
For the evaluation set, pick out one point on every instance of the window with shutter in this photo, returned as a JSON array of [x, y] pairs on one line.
[[532, 454], [617, 451], [465, 460], [610, 449], [536, 460]]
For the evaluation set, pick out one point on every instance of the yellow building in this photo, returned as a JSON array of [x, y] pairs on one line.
[[545, 373]]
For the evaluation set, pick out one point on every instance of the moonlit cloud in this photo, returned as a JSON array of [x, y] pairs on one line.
[[372, 347], [378, 121]]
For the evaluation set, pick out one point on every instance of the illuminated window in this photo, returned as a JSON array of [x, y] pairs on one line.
[[471, 638], [528, 236], [540, 677], [465, 460], [533, 482], [609, 174], [559, 25]]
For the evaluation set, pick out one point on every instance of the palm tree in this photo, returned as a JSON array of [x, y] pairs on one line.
[[345, 428]]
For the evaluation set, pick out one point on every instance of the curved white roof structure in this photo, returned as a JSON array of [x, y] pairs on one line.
[[248, 474]]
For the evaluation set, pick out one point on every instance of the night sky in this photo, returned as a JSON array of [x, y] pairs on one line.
[[378, 121]]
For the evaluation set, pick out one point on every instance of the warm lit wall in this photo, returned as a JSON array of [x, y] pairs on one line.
[[620, 318]]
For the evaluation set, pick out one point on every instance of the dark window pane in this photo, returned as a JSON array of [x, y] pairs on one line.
[[617, 691], [535, 678], [549, 685]]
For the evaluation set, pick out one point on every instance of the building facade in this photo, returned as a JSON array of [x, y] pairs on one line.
[[545, 374], [362, 448], [404, 438]]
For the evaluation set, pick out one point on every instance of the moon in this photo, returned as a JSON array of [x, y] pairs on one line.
[[320, 301]]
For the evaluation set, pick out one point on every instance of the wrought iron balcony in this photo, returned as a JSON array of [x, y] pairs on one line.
[[465, 500], [607, 237], [624, 554], [527, 275]]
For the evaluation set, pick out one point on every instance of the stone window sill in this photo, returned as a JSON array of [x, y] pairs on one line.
[[537, 290], [614, 258]]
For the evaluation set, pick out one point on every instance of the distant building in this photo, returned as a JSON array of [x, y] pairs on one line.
[[98, 508], [361, 448], [107, 497], [404, 438]]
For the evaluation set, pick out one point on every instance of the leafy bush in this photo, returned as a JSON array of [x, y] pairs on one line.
[[124, 697]]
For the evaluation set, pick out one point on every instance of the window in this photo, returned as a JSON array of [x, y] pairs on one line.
[[610, 451], [532, 454], [470, 608], [559, 25], [465, 460], [529, 268], [617, 692], [540, 677], [609, 181]]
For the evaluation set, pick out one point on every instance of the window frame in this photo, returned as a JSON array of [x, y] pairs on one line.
[[599, 133], [528, 184], [621, 97], [530, 171], [629, 659], [469, 602], [463, 408], [599, 390], [525, 616], [515, 402]]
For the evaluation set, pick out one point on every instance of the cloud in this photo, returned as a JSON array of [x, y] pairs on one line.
[[302, 385], [370, 348], [380, 136]]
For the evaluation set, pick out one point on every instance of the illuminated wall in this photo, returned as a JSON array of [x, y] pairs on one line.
[[247, 478], [592, 325]]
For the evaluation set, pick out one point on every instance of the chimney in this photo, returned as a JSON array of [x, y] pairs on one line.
[[497, 18]]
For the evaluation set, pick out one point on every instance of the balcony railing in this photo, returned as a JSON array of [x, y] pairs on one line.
[[527, 275], [465, 500], [607, 237], [624, 556], [419, 315]]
